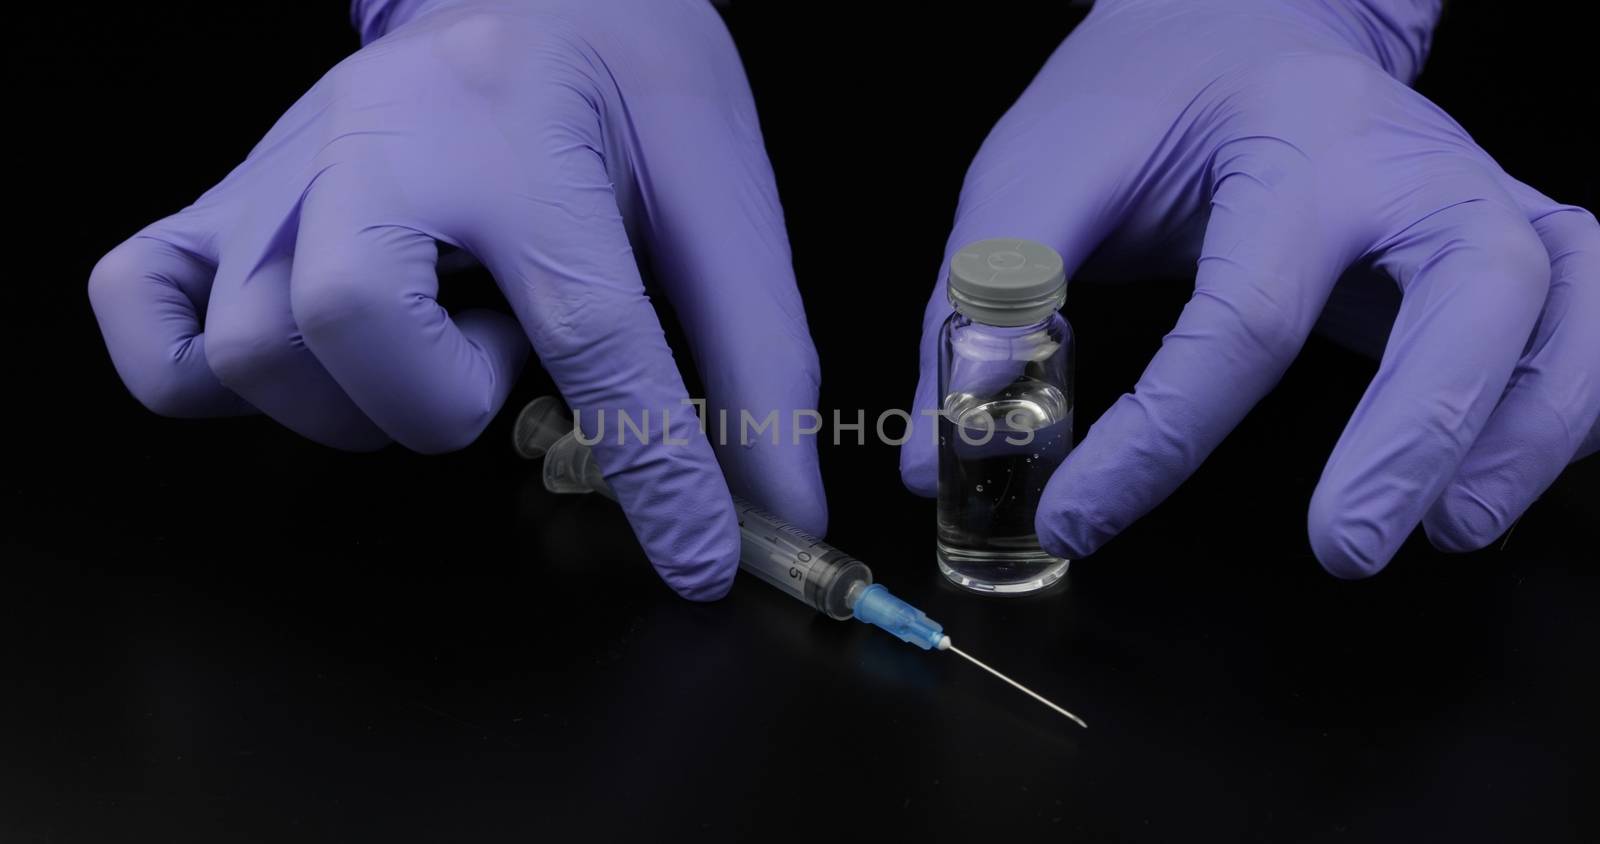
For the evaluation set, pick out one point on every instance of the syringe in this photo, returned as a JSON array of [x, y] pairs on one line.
[[823, 577]]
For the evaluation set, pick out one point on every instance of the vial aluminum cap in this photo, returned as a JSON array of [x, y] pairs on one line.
[[1007, 281]]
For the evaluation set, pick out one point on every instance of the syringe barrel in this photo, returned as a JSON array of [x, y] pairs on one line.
[[798, 563], [779, 553]]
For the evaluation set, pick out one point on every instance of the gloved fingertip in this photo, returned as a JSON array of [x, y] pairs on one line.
[[1057, 546], [1069, 532], [705, 592], [1348, 547], [708, 580], [1462, 520], [919, 454], [919, 460], [919, 466]]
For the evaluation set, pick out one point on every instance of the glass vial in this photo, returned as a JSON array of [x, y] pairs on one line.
[[1005, 378]]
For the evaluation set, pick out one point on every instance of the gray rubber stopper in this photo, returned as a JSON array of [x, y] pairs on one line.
[[1007, 281]]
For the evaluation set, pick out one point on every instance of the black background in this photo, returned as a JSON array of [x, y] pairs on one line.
[[215, 631]]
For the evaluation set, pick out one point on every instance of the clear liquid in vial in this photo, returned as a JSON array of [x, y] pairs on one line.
[[990, 490]]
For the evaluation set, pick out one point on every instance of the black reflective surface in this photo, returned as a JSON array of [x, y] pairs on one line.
[[214, 631]]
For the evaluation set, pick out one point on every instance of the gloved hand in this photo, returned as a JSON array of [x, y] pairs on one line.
[[545, 138], [1284, 131]]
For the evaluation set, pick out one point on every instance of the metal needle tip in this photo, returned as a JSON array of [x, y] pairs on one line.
[[1024, 689]]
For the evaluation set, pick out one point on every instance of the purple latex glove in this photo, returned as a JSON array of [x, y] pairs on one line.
[[1278, 142], [543, 137]]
